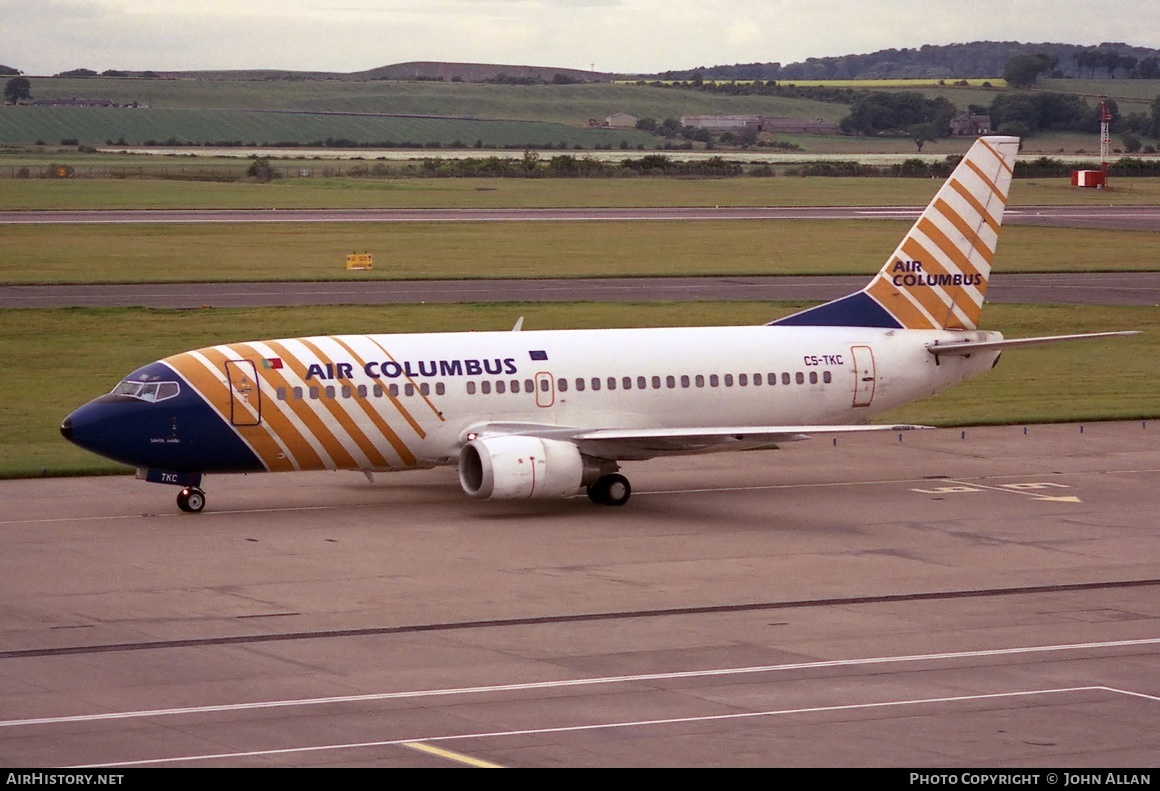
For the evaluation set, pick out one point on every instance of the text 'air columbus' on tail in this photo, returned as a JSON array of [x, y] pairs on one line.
[[937, 277]]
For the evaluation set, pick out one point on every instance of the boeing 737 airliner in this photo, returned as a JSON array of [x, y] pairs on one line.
[[546, 414]]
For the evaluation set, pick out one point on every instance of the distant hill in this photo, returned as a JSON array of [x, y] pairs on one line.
[[977, 59], [951, 61], [416, 70], [479, 72]]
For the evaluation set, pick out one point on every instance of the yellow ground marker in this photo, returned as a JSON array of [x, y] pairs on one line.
[[451, 756]]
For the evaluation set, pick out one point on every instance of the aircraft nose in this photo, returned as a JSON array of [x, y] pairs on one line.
[[98, 426]]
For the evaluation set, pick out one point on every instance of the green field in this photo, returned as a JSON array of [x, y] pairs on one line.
[[66, 357], [368, 111], [220, 252], [1131, 96], [571, 105], [374, 193], [97, 126], [339, 193], [269, 112]]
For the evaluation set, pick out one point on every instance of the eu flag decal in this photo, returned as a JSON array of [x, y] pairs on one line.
[[538, 354]]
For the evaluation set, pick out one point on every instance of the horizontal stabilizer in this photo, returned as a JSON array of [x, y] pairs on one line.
[[962, 348]]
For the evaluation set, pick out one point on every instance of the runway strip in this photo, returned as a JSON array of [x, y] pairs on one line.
[[1145, 218], [1100, 288], [579, 618]]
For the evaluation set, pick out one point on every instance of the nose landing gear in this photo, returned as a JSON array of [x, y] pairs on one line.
[[191, 500]]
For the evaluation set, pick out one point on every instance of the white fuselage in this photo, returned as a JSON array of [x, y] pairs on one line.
[[339, 393]]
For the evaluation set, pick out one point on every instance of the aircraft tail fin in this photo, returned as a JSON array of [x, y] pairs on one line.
[[937, 276]]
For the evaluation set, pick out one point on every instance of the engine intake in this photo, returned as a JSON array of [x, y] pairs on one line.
[[518, 467]]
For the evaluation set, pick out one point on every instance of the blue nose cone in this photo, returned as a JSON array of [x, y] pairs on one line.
[[109, 427]]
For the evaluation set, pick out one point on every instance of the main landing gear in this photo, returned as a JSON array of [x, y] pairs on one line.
[[610, 490], [191, 500]]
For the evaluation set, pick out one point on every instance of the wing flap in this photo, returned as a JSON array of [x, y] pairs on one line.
[[646, 443]]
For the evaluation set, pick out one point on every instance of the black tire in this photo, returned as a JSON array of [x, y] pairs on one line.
[[617, 490], [610, 490], [191, 500]]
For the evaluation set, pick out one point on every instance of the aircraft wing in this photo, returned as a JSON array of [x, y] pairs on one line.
[[646, 443]]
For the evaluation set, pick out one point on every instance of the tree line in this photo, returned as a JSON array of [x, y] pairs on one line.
[[977, 59]]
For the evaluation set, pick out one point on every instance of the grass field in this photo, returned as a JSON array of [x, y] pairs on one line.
[[66, 357], [277, 111], [561, 104], [1131, 95], [213, 252], [94, 126], [238, 109], [339, 193]]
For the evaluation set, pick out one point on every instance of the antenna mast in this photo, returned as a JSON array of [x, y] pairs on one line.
[[1105, 137]]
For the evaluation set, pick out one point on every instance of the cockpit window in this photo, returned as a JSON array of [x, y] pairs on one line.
[[148, 391]]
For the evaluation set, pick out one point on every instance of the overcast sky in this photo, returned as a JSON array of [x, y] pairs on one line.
[[48, 36]]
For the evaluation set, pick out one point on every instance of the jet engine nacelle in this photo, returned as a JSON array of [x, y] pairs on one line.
[[517, 467]]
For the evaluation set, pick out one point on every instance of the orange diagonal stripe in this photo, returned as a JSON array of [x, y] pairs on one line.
[[344, 419]]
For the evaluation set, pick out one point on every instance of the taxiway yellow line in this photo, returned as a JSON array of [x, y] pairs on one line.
[[451, 755]]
